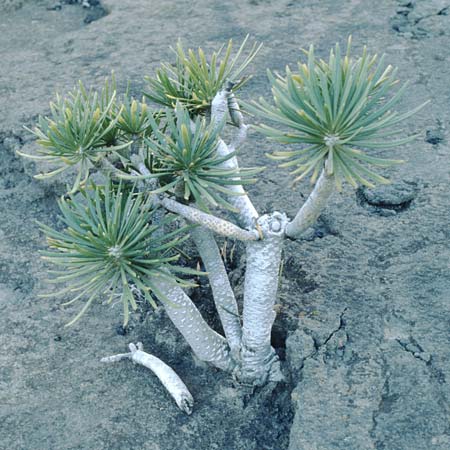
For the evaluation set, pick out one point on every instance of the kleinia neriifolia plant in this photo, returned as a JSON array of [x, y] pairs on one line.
[[164, 175]]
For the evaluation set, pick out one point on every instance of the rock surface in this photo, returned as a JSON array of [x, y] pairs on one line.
[[364, 301]]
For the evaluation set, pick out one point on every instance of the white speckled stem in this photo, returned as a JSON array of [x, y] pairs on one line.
[[259, 360], [223, 294], [219, 108], [208, 345], [222, 103], [170, 380], [313, 206], [225, 102], [235, 110], [247, 215], [220, 226], [238, 119]]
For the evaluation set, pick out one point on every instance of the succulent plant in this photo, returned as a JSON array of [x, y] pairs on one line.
[[134, 117], [117, 242], [337, 109]]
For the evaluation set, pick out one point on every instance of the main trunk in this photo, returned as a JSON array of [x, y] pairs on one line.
[[259, 360]]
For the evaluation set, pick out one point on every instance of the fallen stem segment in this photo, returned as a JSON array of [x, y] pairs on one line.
[[170, 380], [208, 345], [223, 294], [313, 206], [259, 360], [220, 226]]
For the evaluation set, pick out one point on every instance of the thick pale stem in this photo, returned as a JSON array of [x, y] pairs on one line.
[[259, 360], [247, 214], [238, 119], [170, 380], [224, 298], [219, 109], [313, 206], [208, 345], [135, 145], [225, 101], [220, 226]]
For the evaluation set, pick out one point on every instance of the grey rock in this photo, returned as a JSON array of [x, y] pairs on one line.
[[435, 136], [395, 196]]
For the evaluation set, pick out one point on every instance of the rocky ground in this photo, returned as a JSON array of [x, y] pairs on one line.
[[363, 327]]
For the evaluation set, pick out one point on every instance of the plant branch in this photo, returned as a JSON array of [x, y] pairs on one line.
[[220, 226], [247, 215], [224, 298], [313, 206], [208, 345], [238, 120], [219, 108], [170, 380], [225, 101]]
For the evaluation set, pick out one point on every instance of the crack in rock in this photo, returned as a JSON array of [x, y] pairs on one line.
[[411, 14], [340, 327], [415, 349], [319, 346], [384, 406]]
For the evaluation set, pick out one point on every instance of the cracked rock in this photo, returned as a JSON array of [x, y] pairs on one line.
[[300, 346]]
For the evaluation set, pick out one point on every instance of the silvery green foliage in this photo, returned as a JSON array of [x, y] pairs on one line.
[[193, 80], [80, 131], [185, 160], [109, 245], [338, 110]]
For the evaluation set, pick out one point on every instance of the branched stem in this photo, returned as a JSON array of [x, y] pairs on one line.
[[313, 206], [219, 108], [259, 360], [224, 298], [225, 101], [238, 120], [208, 345], [220, 226]]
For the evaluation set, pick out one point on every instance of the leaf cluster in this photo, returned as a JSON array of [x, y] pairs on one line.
[[77, 133], [193, 80], [87, 126], [185, 160], [338, 109], [111, 244], [134, 118]]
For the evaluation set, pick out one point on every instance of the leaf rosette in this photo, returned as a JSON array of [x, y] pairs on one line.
[[134, 118], [337, 109], [80, 132], [112, 245], [185, 160], [194, 79]]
